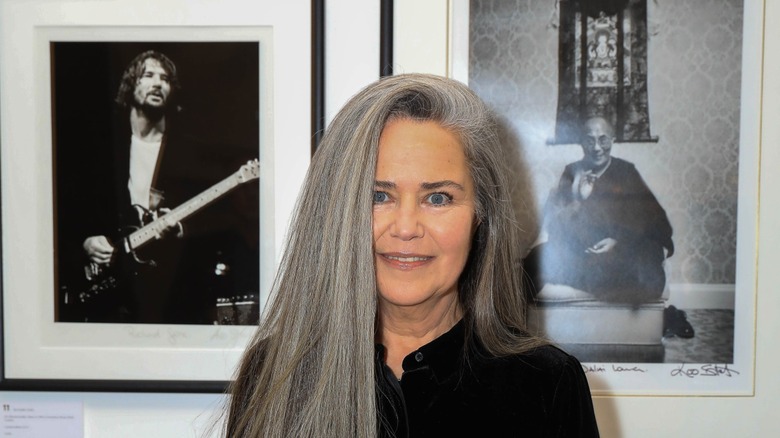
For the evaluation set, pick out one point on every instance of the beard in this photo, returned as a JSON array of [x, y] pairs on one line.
[[153, 112]]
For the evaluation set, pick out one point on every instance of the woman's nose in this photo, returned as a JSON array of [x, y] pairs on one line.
[[406, 222]]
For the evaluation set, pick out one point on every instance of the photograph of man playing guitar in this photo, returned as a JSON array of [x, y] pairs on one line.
[[172, 223]]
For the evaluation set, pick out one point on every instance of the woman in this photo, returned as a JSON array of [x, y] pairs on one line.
[[397, 309]]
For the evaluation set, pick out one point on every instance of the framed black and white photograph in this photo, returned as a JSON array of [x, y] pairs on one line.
[[145, 185], [637, 137], [178, 138]]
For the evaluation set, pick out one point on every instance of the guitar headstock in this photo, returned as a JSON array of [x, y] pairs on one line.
[[249, 171]]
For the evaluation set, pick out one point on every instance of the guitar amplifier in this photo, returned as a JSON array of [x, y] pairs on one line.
[[238, 310]]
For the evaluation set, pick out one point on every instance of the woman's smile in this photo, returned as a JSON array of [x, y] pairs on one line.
[[404, 261]]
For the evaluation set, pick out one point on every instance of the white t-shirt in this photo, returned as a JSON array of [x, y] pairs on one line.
[[143, 160]]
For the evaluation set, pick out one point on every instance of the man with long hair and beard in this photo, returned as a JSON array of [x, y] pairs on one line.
[[152, 164]]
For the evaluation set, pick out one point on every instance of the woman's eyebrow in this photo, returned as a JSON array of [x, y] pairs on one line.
[[423, 185], [441, 184]]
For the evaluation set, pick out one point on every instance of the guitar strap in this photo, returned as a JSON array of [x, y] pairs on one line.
[[156, 195]]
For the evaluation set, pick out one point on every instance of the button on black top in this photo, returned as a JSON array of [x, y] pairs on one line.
[[418, 356]]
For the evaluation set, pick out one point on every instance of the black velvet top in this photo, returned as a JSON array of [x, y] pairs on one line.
[[449, 389]]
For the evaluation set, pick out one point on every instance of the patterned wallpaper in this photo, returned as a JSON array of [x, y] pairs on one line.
[[694, 79]]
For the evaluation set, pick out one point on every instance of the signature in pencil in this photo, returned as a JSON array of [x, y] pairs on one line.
[[627, 369], [593, 368], [705, 370], [597, 368]]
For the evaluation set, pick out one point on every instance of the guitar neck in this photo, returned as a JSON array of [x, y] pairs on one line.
[[154, 229]]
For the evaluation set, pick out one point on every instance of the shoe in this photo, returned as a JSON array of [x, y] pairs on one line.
[[676, 323]]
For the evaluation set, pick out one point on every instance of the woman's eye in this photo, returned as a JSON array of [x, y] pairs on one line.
[[439, 199], [380, 197]]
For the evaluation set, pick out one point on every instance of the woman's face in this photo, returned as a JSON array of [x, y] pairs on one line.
[[423, 213]]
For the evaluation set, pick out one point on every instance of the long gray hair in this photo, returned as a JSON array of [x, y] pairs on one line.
[[310, 368]]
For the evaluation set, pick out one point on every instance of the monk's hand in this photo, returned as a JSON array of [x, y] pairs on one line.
[[583, 183], [602, 246]]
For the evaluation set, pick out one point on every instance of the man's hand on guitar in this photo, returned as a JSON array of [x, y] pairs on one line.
[[170, 225], [158, 219], [98, 249]]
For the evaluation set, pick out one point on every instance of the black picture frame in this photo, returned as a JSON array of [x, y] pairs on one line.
[[317, 72], [386, 38]]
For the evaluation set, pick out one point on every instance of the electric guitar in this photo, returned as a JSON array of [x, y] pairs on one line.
[[100, 278]]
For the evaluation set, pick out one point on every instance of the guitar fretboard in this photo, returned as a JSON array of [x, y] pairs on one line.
[[154, 229]]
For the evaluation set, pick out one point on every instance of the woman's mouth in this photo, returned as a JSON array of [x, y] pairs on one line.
[[405, 261]]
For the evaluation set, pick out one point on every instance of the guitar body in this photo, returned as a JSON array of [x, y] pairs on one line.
[[106, 293], [131, 288], [128, 289]]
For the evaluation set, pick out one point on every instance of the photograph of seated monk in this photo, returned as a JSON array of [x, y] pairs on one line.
[[398, 311], [607, 235]]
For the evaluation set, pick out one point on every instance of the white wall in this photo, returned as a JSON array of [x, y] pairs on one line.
[[351, 50]]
